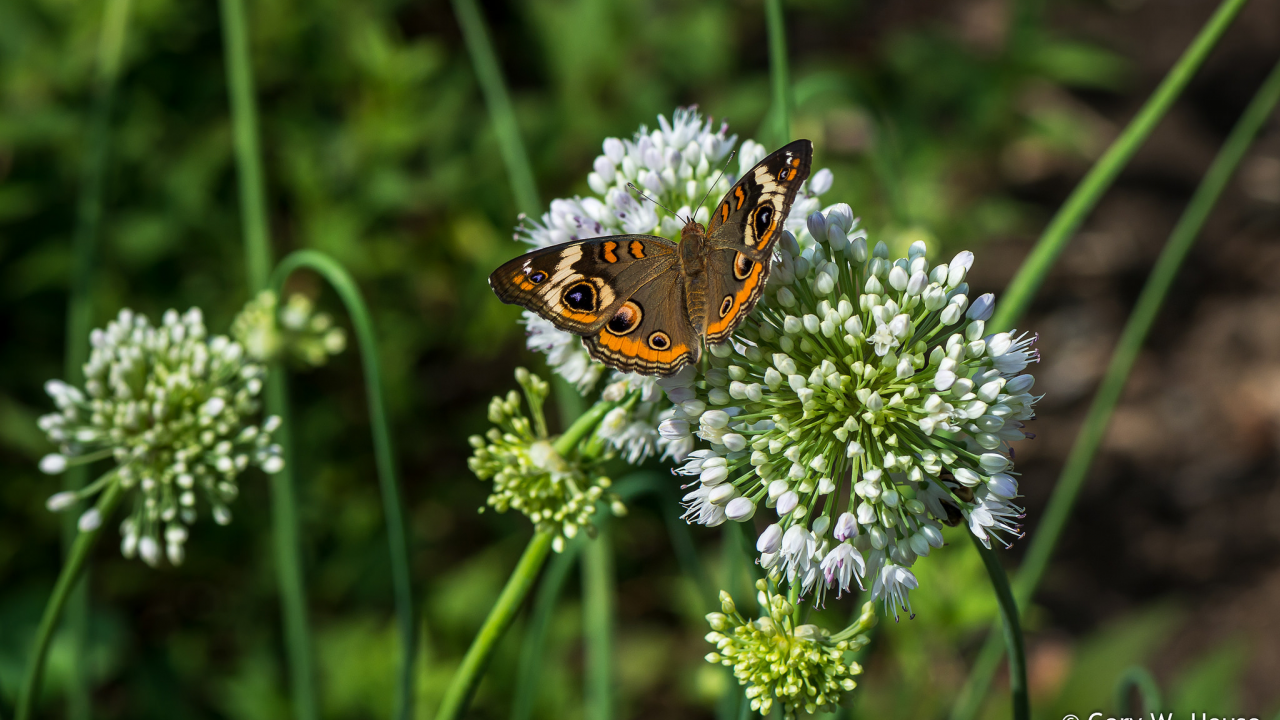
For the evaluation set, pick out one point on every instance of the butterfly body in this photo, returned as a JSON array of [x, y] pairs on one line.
[[645, 304]]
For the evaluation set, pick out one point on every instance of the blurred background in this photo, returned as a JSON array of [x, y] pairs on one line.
[[964, 122]]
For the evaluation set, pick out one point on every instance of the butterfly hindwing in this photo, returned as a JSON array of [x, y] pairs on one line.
[[578, 286], [650, 333], [744, 228]]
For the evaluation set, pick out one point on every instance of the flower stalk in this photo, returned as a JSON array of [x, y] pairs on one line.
[[1076, 468], [1012, 632], [779, 75], [67, 579]]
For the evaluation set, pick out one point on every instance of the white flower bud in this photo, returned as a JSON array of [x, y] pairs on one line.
[[787, 502], [982, 308], [53, 463], [770, 541], [967, 477], [817, 223], [740, 509], [721, 494], [898, 278], [958, 268], [993, 462], [1003, 485], [61, 501], [91, 520], [734, 442]]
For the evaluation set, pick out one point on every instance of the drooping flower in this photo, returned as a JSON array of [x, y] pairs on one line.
[[556, 488], [174, 409], [267, 331], [864, 395], [675, 164], [801, 668]]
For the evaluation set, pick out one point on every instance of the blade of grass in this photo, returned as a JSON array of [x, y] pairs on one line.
[[384, 455], [1140, 678], [779, 75], [529, 672], [489, 75], [253, 218], [1126, 353], [84, 250], [67, 579], [598, 624], [1017, 296]]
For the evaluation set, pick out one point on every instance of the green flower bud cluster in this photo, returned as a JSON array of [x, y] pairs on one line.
[[268, 331], [173, 408], [557, 489], [802, 668]]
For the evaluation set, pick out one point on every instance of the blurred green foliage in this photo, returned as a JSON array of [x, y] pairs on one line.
[[379, 152]]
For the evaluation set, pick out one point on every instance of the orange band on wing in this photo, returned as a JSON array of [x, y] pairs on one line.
[[724, 213], [609, 247], [737, 192], [579, 317], [520, 279], [637, 249], [741, 297], [764, 239], [639, 348]]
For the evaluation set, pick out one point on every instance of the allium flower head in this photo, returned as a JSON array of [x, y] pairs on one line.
[[173, 408], [866, 404], [802, 668], [676, 164], [267, 331], [557, 489]]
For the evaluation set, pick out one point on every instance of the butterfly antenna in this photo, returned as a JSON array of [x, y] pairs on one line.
[[712, 185], [646, 197]]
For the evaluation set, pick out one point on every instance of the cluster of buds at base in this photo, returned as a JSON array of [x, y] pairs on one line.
[[174, 409], [558, 489], [801, 668]]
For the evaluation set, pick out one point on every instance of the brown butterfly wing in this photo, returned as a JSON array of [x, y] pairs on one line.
[[578, 286], [650, 333], [744, 228]]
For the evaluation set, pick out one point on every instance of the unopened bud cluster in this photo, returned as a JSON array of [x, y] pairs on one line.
[[801, 668], [866, 404], [268, 331], [530, 475], [173, 408]]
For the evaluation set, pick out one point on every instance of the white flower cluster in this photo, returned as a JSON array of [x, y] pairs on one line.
[[865, 403], [268, 331], [676, 164], [172, 407]]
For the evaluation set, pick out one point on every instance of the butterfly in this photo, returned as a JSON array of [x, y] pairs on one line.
[[647, 305]]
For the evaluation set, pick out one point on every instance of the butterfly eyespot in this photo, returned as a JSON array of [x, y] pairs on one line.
[[627, 319], [580, 296], [742, 266], [763, 216], [659, 341], [537, 276], [727, 305]]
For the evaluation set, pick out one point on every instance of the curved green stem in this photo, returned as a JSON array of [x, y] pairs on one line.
[[1017, 296], [384, 455], [111, 40], [529, 671], [1132, 337], [71, 571], [1140, 678], [488, 73], [598, 624], [1012, 631], [467, 676], [779, 76]]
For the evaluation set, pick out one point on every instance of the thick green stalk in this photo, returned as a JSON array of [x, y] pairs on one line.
[[779, 76], [529, 672], [1127, 348], [582, 427], [597, 624], [111, 40], [1012, 631], [71, 571], [1017, 296], [467, 676], [384, 454], [257, 250], [489, 74]]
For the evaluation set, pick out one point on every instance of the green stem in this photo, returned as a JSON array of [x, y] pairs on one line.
[[1130, 343], [1140, 678], [532, 659], [71, 571], [779, 76], [111, 40], [597, 624], [384, 454], [1017, 296], [1012, 630], [581, 427], [489, 74], [467, 677], [253, 218]]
